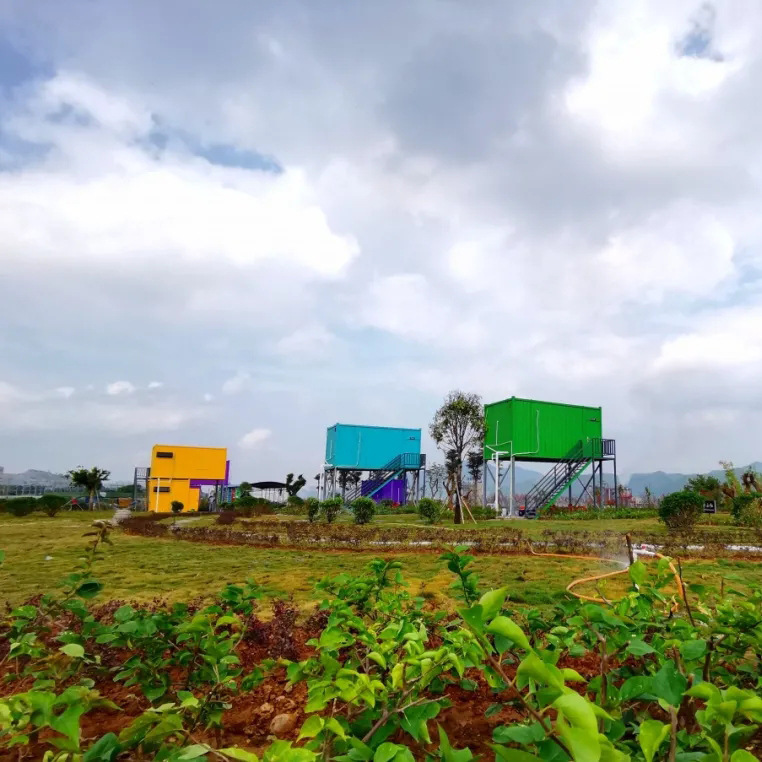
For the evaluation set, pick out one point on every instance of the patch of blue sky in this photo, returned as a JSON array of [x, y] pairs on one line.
[[16, 153], [163, 137], [226, 155], [698, 42], [16, 68]]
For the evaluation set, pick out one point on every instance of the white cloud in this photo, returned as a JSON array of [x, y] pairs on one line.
[[238, 383], [118, 388], [589, 234], [65, 391], [728, 339], [103, 196], [254, 438], [308, 343], [155, 384]]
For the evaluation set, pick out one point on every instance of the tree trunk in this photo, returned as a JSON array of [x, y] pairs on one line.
[[457, 508]]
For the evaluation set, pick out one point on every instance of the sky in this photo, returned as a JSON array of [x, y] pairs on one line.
[[236, 224]]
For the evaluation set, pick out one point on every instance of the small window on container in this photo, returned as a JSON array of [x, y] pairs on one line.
[[161, 489], [165, 454]]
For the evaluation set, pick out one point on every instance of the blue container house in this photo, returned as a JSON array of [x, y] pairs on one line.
[[368, 448]]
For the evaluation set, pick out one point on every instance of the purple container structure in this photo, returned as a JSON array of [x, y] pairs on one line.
[[394, 490]]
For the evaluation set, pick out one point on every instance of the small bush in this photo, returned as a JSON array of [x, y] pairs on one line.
[[176, 506], [295, 500], [51, 504], [225, 518], [430, 510], [331, 508], [483, 512], [747, 509], [681, 510], [313, 508], [364, 508], [21, 506]]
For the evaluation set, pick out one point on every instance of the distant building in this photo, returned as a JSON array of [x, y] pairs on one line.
[[178, 473]]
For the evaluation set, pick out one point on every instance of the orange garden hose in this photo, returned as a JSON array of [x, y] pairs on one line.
[[597, 577]]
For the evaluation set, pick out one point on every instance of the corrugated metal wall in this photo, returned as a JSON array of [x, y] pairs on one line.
[[368, 448], [539, 430]]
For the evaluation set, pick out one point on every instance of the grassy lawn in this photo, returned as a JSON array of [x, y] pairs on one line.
[[530, 528], [40, 551]]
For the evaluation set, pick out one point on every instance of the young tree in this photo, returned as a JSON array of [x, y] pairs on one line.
[[293, 486], [245, 489], [349, 477], [89, 479], [457, 427], [435, 476], [474, 464]]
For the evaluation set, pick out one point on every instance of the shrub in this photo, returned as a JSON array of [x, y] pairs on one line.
[[483, 512], [21, 506], [294, 500], [681, 510], [331, 508], [176, 506], [225, 518], [430, 510], [747, 509], [364, 508], [313, 508], [50, 504]]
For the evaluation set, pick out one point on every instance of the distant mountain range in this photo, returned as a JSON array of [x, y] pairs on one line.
[[661, 483]]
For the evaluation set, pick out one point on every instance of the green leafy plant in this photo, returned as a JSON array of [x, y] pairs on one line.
[[363, 508], [21, 506], [51, 504], [91, 480], [458, 426], [294, 485], [331, 508], [681, 510], [430, 510], [313, 508]]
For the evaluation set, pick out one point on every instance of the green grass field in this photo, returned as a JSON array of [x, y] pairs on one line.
[[40, 551]]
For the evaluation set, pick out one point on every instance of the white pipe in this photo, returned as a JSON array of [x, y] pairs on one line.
[[497, 484]]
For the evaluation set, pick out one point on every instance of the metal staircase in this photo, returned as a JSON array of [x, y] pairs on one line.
[[394, 469], [562, 474]]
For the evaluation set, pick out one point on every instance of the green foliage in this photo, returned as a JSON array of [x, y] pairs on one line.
[[483, 512], [656, 680], [330, 509], [458, 426], [598, 514], [706, 485], [747, 509], [176, 506], [294, 485], [89, 479], [430, 510], [20, 506], [466, 587], [313, 508], [681, 510], [51, 504], [363, 508]]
